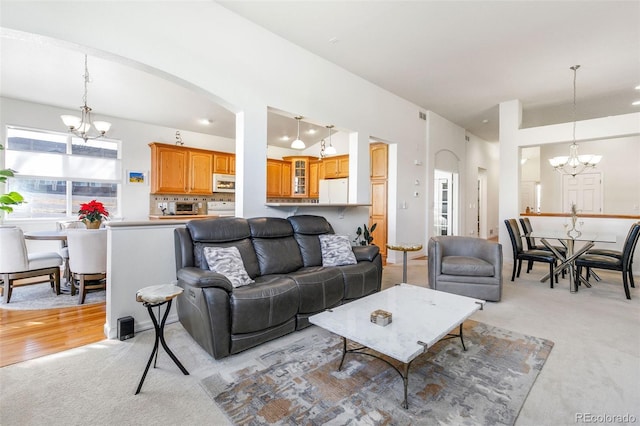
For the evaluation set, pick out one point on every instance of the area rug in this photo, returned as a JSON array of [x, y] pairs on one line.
[[300, 384], [42, 296]]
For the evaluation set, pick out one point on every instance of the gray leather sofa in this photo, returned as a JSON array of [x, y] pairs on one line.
[[284, 258], [466, 266]]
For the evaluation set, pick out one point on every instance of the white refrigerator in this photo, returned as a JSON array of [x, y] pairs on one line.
[[334, 191]]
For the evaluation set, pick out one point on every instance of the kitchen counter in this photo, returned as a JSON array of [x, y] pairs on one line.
[[181, 216]]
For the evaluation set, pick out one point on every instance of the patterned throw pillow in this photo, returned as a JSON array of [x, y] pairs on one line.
[[336, 250], [228, 262]]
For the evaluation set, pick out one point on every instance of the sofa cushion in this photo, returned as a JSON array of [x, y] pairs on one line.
[[227, 261], [270, 301], [244, 246], [336, 250], [306, 229], [276, 249], [360, 279], [464, 265], [320, 288]]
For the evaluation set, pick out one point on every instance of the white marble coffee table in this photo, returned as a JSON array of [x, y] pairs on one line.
[[421, 317]]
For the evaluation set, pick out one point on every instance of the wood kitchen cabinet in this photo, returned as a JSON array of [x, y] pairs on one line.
[[314, 177], [278, 178], [224, 163], [300, 177], [336, 167], [179, 170]]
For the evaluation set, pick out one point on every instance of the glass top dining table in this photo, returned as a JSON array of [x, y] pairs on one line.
[[568, 240]]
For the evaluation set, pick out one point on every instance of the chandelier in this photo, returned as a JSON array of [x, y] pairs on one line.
[[574, 164], [327, 150], [81, 126], [298, 144]]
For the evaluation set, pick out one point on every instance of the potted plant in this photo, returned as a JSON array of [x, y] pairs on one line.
[[12, 198], [92, 214], [364, 235]]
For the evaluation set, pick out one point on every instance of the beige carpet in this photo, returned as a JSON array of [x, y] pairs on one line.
[[594, 366]]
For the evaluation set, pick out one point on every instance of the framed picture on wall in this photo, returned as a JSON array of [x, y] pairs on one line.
[[136, 177]]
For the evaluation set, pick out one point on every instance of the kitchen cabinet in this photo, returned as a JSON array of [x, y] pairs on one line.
[[314, 177], [300, 177], [278, 178], [336, 167], [180, 170], [224, 162]]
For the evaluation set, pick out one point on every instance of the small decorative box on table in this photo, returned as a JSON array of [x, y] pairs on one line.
[[381, 317]]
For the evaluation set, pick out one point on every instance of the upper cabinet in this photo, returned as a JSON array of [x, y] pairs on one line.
[[378, 157], [278, 178], [183, 170], [224, 163], [335, 167], [300, 179]]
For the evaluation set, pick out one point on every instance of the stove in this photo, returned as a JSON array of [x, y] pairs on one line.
[[221, 208]]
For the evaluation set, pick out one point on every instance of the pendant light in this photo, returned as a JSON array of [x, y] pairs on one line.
[[298, 144], [330, 150], [574, 164], [81, 126]]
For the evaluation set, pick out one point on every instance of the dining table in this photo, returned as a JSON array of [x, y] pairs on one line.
[[567, 260]]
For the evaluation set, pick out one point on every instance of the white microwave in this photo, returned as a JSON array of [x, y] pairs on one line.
[[224, 183]]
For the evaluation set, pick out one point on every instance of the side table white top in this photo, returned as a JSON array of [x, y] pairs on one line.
[[158, 293]]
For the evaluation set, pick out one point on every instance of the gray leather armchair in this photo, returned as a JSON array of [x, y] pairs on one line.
[[466, 266]]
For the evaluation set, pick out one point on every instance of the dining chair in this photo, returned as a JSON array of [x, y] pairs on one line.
[[531, 242], [617, 254], [87, 260], [622, 264], [17, 264], [520, 254], [63, 225]]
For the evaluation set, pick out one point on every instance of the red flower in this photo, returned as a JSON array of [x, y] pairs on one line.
[[93, 211]]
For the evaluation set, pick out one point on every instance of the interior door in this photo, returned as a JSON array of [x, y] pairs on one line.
[[583, 190]]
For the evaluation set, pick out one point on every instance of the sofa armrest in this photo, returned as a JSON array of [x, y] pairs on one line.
[[366, 253], [203, 278]]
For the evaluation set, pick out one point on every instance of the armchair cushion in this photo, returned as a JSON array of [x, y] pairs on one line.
[[464, 265], [228, 262], [336, 250]]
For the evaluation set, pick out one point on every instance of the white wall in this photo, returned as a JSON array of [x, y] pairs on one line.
[[620, 185]]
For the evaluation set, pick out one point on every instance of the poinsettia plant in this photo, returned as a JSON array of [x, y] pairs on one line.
[[93, 211]]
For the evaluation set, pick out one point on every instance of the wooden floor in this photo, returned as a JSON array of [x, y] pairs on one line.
[[31, 334]]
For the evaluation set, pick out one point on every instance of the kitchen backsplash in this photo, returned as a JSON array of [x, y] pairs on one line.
[[154, 200]]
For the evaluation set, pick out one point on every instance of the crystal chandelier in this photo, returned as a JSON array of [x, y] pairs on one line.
[[327, 150], [81, 126], [298, 144], [574, 164]]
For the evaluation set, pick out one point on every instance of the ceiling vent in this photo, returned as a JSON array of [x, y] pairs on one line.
[[422, 115]]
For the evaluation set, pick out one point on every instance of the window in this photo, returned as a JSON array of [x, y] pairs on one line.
[[57, 172]]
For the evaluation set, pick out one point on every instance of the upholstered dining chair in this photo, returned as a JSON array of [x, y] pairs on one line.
[[531, 242], [17, 264], [622, 264], [617, 254], [520, 254], [63, 225], [87, 260]]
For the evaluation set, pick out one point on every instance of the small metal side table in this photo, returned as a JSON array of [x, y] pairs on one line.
[[404, 248], [151, 297]]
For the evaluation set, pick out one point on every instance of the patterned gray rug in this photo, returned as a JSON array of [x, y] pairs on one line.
[[42, 296], [300, 384]]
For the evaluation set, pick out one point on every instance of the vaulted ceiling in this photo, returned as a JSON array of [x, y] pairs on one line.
[[459, 59]]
